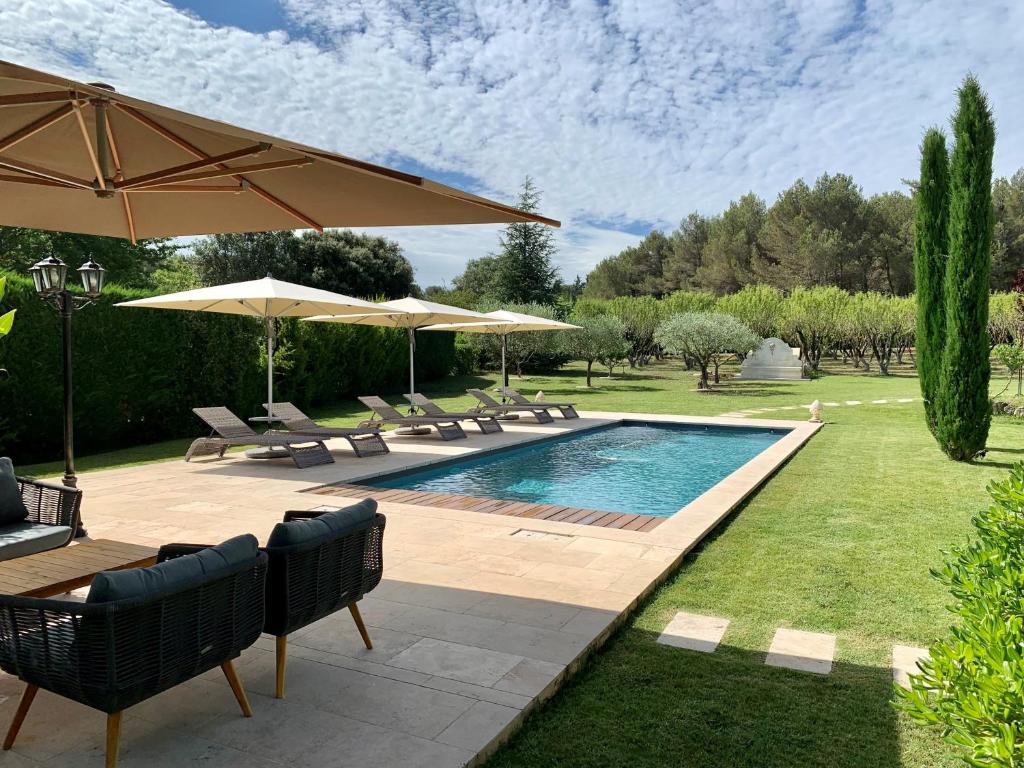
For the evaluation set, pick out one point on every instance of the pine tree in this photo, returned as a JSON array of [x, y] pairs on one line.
[[525, 273], [930, 224], [962, 410]]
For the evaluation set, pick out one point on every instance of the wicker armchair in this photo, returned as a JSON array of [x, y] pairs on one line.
[[112, 655], [53, 515], [310, 580]]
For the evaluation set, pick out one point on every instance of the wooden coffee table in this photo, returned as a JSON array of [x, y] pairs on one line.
[[61, 570]]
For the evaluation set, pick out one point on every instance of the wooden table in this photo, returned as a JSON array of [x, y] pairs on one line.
[[61, 570]]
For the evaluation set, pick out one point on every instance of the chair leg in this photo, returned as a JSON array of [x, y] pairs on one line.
[[19, 716], [236, 687], [357, 617], [282, 657], [113, 738]]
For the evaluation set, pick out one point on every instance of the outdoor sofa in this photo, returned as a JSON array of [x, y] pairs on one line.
[[489, 405], [141, 631], [365, 441], [568, 410], [228, 430], [486, 422], [34, 516], [383, 413]]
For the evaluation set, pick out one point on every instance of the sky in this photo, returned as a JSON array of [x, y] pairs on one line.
[[628, 114]]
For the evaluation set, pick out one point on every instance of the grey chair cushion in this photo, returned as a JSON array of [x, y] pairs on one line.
[[26, 538], [12, 506], [170, 575], [326, 526]]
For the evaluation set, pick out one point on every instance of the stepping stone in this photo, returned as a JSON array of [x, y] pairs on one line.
[[853, 402], [828, 405], [906, 400], [788, 407], [694, 632], [803, 651], [904, 663], [879, 402]]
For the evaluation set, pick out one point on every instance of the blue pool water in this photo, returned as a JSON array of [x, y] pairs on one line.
[[653, 469]]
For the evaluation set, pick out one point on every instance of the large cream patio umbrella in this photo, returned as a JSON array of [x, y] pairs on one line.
[[268, 299], [78, 157], [411, 314], [503, 322]]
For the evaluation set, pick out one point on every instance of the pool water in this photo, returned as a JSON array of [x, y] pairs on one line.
[[637, 468]]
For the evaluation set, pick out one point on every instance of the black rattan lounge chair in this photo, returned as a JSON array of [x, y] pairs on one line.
[[485, 421], [447, 428], [52, 519], [321, 562], [228, 429], [489, 405], [140, 632], [365, 441], [568, 410]]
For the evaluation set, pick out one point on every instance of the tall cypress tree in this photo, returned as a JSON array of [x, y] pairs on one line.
[[931, 220], [962, 411]]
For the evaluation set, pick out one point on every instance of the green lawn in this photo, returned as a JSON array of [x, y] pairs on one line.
[[839, 541]]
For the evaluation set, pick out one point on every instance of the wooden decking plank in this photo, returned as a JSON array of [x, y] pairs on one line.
[[622, 521], [636, 524]]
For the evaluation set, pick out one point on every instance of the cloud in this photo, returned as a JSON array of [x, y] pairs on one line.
[[627, 111]]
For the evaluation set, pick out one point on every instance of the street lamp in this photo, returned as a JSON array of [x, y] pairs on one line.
[[49, 277]]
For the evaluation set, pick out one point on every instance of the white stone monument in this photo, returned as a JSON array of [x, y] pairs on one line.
[[774, 359]]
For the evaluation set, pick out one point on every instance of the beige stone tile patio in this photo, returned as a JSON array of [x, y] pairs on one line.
[[477, 618]]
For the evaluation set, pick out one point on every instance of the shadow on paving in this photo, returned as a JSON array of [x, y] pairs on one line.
[[643, 704]]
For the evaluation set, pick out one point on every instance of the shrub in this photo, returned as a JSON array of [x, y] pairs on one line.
[[972, 685], [139, 372]]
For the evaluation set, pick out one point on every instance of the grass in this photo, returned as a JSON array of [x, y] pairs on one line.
[[840, 541]]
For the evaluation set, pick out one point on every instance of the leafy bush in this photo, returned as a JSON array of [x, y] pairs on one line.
[[139, 372], [972, 685]]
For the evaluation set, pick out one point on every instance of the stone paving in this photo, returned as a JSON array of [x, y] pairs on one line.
[[694, 632], [479, 617]]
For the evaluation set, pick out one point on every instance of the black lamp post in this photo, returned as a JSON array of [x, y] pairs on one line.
[[49, 277]]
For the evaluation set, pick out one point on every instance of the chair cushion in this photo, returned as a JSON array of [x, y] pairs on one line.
[[170, 575], [26, 538], [326, 526], [12, 506]]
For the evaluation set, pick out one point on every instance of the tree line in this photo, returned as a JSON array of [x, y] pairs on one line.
[[827, 233]]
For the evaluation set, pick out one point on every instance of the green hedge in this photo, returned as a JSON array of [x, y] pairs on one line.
[[139, 372]]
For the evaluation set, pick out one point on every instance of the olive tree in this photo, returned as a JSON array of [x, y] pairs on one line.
[[640, 316], [1012, 357], [600, 338], [706, 338]]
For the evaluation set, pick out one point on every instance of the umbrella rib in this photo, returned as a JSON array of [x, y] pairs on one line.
[[35, 127], [166, 173], [44, 173], [29, 99], [34, 180], [118, 175], [138, 184], [88, 146], [174, 138]]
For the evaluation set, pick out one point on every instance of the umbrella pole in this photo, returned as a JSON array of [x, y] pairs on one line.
[[270, 368], [412, 365], [504, 370]]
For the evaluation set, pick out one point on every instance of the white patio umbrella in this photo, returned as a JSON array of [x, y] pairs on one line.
[[503, 322], [267, 299], [411, 314]]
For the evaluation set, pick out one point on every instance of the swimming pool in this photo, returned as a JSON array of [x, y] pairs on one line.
[[631, 467]]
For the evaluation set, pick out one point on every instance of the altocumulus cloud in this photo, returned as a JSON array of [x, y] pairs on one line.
[[627, 113]]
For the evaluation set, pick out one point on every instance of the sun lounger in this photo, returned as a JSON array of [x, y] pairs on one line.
[[365, 441], [568, 410], [383, 413], [485, 421], [228, 429], [489, 405]]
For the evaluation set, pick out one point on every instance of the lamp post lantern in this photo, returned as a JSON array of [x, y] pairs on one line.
[[49, 277]]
